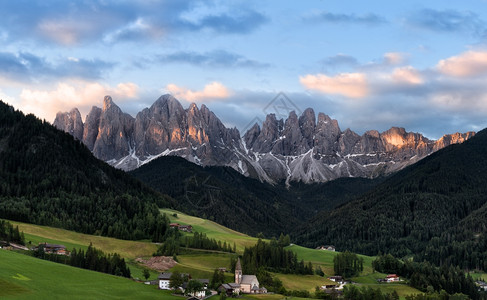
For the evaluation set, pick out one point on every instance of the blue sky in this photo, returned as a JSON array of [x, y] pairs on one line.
[[421, 65]]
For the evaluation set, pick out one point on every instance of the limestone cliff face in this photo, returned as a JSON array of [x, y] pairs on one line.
[[70, 122], [300, 148]]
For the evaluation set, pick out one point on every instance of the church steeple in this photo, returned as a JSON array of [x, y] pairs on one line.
[[238, 272]]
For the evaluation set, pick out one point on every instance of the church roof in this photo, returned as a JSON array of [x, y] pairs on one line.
[[238, 266], [249, 279]]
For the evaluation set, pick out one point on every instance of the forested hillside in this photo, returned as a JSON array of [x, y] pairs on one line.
[[223, 195], [48, 178], [434, 209]]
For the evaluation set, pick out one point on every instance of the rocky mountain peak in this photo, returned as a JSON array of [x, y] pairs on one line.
[[107, 103], [299, 148], [70, 122]]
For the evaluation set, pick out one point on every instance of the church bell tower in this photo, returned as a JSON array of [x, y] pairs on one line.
[[238, 272]]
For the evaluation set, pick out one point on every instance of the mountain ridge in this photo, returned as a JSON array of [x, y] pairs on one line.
[[301, 148]]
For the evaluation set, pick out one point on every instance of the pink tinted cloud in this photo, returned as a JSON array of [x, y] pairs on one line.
[[408, 75], [212, 91], [70, 94], [351, 85], [467, 64]]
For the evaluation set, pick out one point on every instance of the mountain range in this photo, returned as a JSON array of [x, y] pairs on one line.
[[49, 178], [434, 210], [301, 148]]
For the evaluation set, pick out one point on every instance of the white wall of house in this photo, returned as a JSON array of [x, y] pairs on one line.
[[164, 284]]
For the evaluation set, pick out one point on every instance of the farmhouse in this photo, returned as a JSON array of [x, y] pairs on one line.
[[229, 288], [392, 278], [54, 249], [327, 247], [199, 294], [185, 228], [482, 286], [337, 279], [165, 278]]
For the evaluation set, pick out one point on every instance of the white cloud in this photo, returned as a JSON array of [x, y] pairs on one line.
[[212, 91], [394, 58], [67, 95], [352, 85], [467, 64], [407, 75]]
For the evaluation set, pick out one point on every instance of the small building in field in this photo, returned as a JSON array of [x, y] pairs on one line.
[[326, 247], [54, 249], [337, 279], [229, 288], [200, 294], [165, 279], [482, 286], [392, 278], [186, 228], [174, 225]]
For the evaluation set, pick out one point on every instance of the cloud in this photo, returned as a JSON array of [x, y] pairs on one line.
[[211, 92], [242, 20], [340, 60], [394, 58], [365, 19], [139, 29], [351, 85], [28, 67], [68, 23], [217, 58], [407, 75], [447, 21], [467, 64], [69, 94]]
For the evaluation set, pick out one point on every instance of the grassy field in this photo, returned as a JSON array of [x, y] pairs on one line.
[[324, 258], [127, 249], [203, 265], [302, 282], [479, 276], [25, 277], [212, 229]]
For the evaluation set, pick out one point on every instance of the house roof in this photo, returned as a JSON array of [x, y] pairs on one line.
[[164, 276], [229, 286], [238, 266], [248, 279], [391, 276], [204, 281], [47, 245], [167, 276]]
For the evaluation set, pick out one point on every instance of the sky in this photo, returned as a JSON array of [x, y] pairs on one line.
[[421, 65]]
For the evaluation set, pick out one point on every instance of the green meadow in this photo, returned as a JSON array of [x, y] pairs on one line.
[[71, 239], [200, 264], [212, 229], [25, 277]]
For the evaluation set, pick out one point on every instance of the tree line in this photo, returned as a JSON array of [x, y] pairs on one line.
[[91, 259], [9, 233], [49, 178], [429, 278], [174, 241], [274, 258]]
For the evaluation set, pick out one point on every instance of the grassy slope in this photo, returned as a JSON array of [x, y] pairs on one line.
[[25, 277], [324, 259], [127, 249], [212, 229], [201, 265]]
